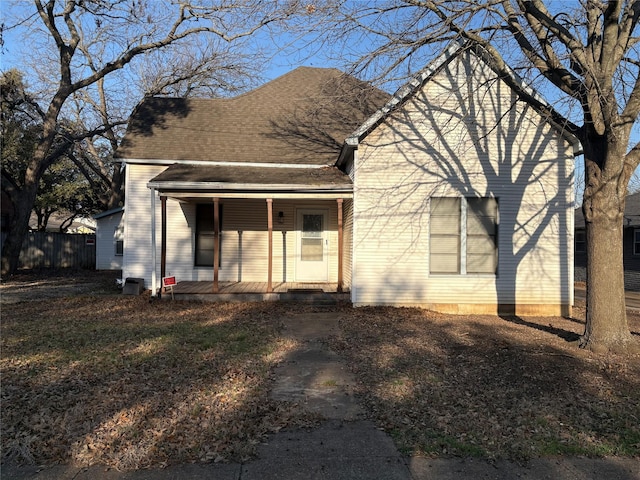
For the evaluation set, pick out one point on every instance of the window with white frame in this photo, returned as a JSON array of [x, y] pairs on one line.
[[636, 241], [463, 235], [205, 235], [118, 236]]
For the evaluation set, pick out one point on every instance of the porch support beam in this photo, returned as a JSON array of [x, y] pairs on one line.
[[163, 240], [258, 195], [340, 245], [270, 230], [216, 242], [153, 244]]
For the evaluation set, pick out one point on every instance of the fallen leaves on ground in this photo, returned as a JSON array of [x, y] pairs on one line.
[[93, 377], [122, 381], [494, 387]]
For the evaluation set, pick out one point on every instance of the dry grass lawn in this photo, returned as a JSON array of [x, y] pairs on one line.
[[93, 377], [493, 387], [122, 381]]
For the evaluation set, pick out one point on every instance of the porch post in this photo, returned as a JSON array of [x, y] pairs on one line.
[[270, 230], [163, 246], [216, 242], [153, 243], [340, 246]]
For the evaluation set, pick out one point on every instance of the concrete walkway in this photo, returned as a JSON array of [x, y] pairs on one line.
[[346, 445]]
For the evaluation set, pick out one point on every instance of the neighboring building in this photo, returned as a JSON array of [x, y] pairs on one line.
[[110, 239], [451, 195], [85, 225], [630, 249]]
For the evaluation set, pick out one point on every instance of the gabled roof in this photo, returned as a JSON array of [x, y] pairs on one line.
[[301, 117], [108, 213], [404, 93]]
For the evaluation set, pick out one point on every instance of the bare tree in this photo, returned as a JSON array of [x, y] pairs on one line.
[[210, 70], [583, 55], [92, 41]]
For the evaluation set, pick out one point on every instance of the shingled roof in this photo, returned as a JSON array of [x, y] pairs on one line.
[[212, 177], [302, 117]]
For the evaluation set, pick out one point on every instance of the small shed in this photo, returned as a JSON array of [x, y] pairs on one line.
[[109, 239]]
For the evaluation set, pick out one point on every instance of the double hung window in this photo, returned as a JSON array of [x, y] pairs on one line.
[[118, 241], [463, 235]]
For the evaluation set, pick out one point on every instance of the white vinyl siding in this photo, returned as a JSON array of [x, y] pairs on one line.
[[109, 235], [137, 229], [464, 134], [244, 252]]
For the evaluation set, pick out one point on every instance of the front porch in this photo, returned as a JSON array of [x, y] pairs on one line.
[[326, 292]]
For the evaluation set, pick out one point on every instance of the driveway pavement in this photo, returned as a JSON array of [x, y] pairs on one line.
[[632, 299]]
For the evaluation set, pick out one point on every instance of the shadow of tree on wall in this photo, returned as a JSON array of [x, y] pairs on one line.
[[476, 140]]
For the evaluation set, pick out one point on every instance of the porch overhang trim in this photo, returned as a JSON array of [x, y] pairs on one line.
[[216, 187], [299, 194], [405, 92]]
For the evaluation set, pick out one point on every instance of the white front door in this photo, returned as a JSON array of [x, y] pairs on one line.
[[312, 257]]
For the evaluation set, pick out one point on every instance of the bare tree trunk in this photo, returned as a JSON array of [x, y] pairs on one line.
[[13, 243], [116, 192], [606, 328], [26, 196]]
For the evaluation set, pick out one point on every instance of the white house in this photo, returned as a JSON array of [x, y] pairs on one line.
[[452, 194], [109, 239]]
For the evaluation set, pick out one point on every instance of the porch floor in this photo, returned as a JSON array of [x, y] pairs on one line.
[[257, 291]]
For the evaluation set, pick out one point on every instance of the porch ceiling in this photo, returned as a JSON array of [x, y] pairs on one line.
[[228, 181]]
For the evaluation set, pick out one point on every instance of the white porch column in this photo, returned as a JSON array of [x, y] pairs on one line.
[[270, 253], [154, 280], [216, 243], [340, 245]]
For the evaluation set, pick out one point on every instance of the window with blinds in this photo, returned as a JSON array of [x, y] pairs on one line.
[[463, 235], [445, 235]]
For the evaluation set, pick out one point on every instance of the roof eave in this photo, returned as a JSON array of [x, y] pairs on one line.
[[404, 92], [247, 187], [107, 213], [221, 163], [349, 145]]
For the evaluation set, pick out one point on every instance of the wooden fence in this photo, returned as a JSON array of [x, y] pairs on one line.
[[57, 250]]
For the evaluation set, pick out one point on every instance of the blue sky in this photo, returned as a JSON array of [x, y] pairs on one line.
[[16, 50]]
